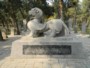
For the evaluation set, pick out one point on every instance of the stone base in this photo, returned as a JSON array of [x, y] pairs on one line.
[[76, 59], [77, 50]]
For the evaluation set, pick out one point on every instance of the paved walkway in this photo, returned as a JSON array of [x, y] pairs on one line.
[[46, 63], [5, 47]]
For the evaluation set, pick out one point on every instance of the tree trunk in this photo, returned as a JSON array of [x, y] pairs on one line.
[[17, 26], [61, 15], [84, 25], [75, 22], [70, 21], [1, 38], [60, 9]]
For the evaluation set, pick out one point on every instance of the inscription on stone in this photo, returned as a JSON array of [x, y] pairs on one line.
[[46, 49]]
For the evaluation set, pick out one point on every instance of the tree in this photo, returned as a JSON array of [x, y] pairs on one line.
[[58, 7], [48, 11], [1, 38], [9, 12], [14, 11], [85, 14]]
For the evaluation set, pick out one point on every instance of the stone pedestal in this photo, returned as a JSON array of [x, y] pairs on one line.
[[42, 52], [61, 47]]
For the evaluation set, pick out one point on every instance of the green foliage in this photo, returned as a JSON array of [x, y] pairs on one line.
[[71, 11], [85, 6], [14, 11], [82, 12], [48, 11], [56, 4]]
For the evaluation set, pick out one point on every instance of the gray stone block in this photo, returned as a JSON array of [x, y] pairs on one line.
[[77, 50]]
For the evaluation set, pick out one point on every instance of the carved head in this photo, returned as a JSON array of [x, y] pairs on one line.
[[36, 13]]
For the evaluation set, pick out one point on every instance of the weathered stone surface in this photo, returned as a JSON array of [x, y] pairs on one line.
[[51, 28], [47, 50], [77, 50]]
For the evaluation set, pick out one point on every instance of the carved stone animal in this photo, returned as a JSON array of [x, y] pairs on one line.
[[51, 28], [56, 27]]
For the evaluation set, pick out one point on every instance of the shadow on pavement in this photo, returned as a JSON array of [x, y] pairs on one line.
[[5, 47]]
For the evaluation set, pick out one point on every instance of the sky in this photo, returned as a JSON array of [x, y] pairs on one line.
[[50, 2], [80, 0]]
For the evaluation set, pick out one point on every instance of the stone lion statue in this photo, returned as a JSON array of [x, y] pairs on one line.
[[50, 28]]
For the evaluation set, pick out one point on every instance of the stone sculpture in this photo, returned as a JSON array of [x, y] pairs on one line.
[[50, 28]]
